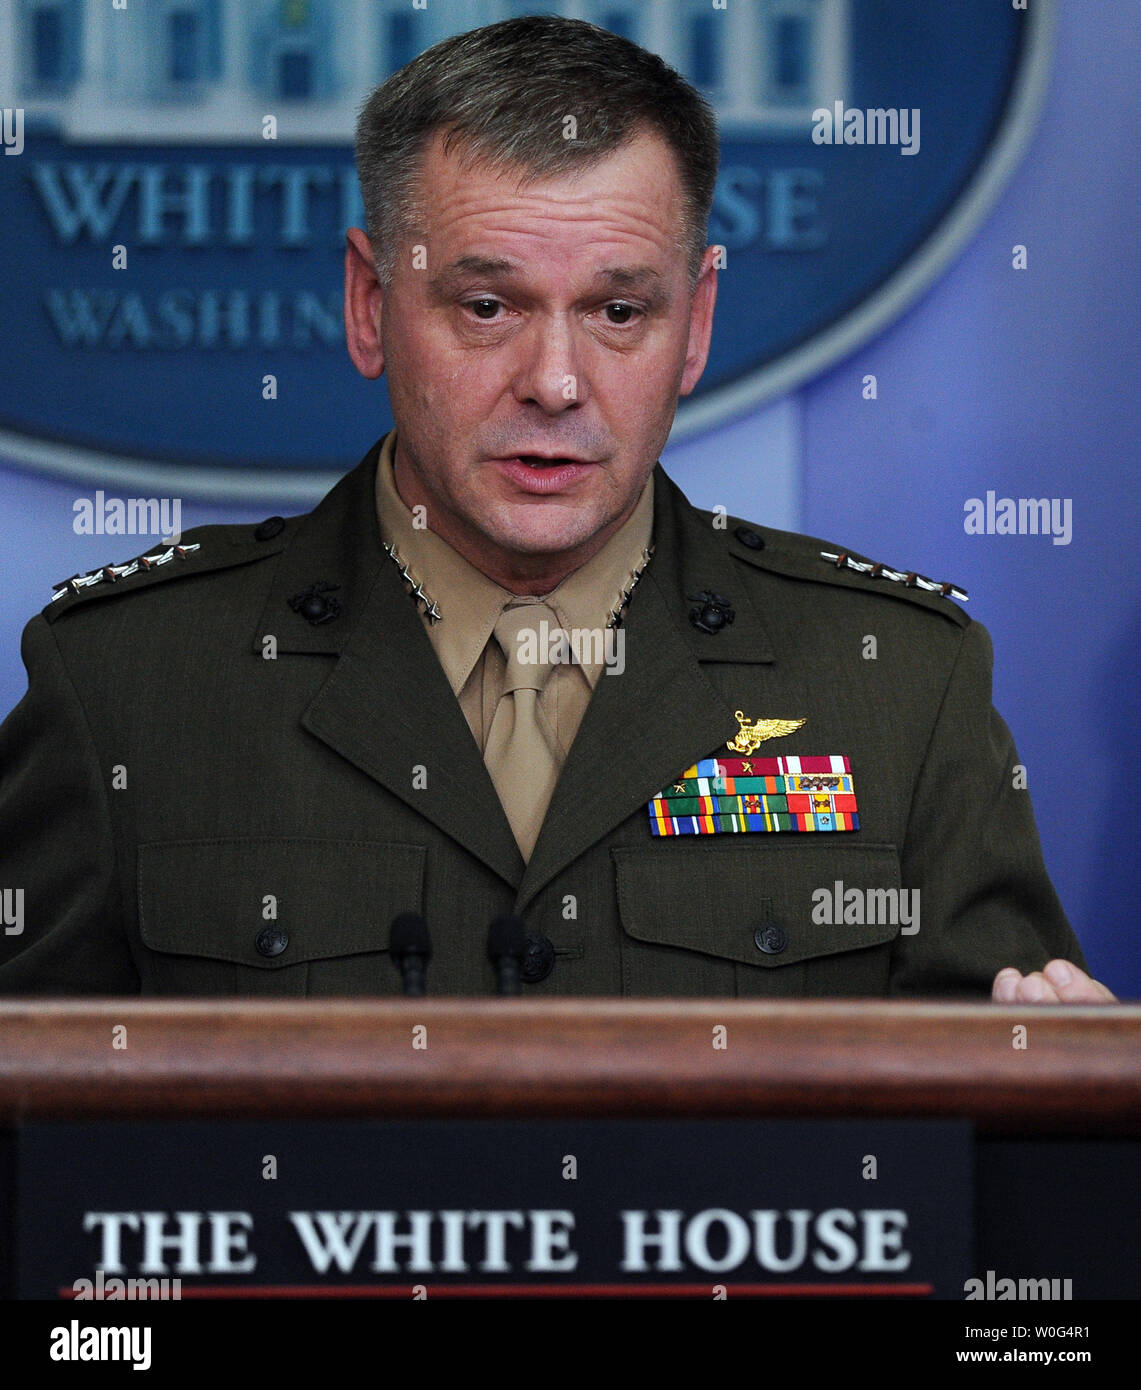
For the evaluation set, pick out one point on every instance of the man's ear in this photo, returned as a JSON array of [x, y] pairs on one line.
[[363, 302], [700, 321]]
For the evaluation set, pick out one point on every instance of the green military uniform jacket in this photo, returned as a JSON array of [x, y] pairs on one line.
[[214, 787]]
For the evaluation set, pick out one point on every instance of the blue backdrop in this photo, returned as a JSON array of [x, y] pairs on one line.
[[1029, 384]]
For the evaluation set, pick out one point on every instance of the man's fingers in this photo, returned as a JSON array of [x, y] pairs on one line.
[[1058, 982], [1074, 986], [1005, 985], [1035, 988], [1012, 987]]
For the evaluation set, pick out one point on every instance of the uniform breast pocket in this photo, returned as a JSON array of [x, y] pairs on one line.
[[273, 916], [778, 920]]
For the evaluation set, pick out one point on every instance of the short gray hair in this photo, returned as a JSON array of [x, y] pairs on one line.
[[504, 92]]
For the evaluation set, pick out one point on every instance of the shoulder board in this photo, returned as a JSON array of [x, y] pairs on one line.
[[822, 562], [200, 551]]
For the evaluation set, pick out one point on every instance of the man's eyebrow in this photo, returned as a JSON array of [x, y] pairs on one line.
[[632, 277], [445, 279], [648, 284], [638, 279]]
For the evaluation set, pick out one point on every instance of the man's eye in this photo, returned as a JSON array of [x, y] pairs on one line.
[[484, 308], [620, 313]]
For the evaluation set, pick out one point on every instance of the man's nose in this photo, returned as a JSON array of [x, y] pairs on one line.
[[548, 372]]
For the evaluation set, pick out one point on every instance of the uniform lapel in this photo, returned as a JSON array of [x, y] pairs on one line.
[[644, 727], [386, 706]]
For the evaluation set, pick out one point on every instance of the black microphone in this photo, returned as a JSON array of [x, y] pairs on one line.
[[411, 949], [506, 946]]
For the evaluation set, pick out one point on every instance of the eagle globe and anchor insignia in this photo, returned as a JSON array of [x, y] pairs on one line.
[[212, 146]]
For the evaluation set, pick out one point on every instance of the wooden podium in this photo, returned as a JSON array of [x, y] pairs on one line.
[[1073, 1071], [1052, 1095]]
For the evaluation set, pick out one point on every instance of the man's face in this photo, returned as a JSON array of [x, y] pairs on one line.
[[547, 322]]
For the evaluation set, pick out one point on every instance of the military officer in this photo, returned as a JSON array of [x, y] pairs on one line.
[[505, 666]]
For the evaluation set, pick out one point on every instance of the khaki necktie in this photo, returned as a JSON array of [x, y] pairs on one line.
[[522, 752]]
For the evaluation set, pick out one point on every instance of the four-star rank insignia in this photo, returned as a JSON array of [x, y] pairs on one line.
[[739, 795]]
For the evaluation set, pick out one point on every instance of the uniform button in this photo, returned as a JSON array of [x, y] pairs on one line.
[[272, 526], [771, 938], [747, 536], [538, 958], [271, 940]]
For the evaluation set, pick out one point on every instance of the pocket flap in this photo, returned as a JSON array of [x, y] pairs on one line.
[[719, 901], [331, 897]]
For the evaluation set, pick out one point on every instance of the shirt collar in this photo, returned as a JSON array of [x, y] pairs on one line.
[[470, 603]]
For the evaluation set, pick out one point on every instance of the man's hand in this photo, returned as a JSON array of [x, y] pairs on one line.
[[1058, 982]]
